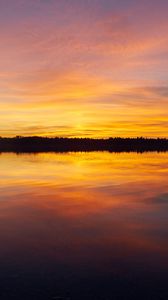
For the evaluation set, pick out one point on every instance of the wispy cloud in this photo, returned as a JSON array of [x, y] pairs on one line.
[[70, 64]]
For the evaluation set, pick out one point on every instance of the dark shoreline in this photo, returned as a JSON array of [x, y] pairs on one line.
[[44, 144]]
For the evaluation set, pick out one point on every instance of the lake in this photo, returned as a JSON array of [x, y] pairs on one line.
[[84, 226]]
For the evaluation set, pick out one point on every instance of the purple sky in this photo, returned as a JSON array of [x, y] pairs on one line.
[[84, 68]]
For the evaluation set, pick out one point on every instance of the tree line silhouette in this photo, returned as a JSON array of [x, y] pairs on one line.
[[46, 144]]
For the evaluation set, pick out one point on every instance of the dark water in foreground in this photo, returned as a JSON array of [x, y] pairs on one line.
[[84, 226]]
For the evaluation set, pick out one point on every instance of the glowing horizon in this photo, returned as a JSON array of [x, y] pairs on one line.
[[84, 68]]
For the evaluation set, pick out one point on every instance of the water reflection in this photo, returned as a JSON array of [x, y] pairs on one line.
[[84, 226]]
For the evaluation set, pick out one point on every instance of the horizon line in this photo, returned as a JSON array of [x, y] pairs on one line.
[[91, 138]]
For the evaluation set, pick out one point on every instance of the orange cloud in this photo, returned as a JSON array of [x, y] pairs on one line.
[[64, 71]]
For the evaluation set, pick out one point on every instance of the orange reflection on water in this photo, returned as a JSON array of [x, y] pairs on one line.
[[101, 200], [103, 191]]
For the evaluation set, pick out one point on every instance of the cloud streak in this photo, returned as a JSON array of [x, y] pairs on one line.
[[84, 62]]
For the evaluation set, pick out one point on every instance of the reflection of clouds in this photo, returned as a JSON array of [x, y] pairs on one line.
[[84, 210], [160, 199]]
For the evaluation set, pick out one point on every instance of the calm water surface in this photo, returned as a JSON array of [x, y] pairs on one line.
[[84, 226]]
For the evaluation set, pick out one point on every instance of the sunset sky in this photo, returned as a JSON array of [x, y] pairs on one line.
[[84, 68]]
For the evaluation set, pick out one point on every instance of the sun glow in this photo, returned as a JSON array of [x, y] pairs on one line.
[[95, 73]]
